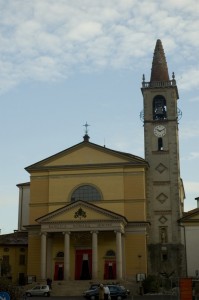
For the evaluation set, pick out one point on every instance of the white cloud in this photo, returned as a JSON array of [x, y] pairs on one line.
[[194, 155], [190, 78], [194, 99], [57, 35], [192, 187], [190, 130]]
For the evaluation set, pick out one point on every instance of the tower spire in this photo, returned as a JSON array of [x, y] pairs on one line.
[[159, 70]]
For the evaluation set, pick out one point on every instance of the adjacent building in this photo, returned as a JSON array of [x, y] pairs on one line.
[[13, 256], [190, 224]]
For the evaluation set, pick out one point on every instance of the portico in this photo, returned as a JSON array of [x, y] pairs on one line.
[[106, 222]]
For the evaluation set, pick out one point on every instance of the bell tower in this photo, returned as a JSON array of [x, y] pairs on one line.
[[165, 193]]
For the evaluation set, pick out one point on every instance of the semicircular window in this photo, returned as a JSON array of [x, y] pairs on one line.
[[86, 193], [110, 253], [60, 254]]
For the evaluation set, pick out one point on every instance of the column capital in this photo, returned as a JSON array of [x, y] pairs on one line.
[[118, 231], [94, 231], [43, 233], [66, 232]]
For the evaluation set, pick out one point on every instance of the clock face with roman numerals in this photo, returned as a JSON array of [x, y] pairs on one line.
[[159, 130]]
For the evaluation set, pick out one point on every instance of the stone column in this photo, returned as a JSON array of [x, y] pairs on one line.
[[43, 255], [94, 255], [49, 257], [66, 255], [119, 255]]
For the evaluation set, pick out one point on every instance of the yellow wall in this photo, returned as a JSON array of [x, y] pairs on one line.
[[14, 252], [123, 192], [135, 248], [34, 255]]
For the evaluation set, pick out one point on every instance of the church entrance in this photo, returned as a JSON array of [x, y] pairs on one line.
[[83, 264], [110, 269], [59, 271]]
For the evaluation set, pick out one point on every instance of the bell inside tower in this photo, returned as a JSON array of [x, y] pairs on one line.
[[159, 108]]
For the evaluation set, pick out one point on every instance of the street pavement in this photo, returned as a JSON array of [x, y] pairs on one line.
[[144, 297]]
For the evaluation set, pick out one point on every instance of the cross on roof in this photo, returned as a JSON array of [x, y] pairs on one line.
[[86, 128]]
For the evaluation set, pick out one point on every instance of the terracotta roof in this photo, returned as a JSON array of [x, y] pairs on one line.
[[187, 215], [159, 71], [16, 238]]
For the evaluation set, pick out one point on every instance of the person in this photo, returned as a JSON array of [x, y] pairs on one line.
[[106, 292], [101, 292], [49, 283]]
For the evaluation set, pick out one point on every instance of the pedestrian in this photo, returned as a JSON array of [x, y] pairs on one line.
[[106, 293], [101, 292], [49, 283]]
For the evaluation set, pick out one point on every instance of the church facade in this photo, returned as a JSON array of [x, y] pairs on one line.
[[87, 215], [100, 214]]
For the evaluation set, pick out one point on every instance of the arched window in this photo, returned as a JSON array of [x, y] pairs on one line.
[[159, 108], [86, 193], [60, 254], [160, 144], [110, 253]]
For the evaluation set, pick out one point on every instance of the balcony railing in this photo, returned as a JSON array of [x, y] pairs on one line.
[[159, 84]]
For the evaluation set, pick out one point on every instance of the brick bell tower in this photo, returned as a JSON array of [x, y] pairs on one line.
[[165, 193]]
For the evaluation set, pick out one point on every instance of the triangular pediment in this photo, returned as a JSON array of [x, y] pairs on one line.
[[79, 211], [87, 154]]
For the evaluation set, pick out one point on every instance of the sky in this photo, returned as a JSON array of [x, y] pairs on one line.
[[64, 63]]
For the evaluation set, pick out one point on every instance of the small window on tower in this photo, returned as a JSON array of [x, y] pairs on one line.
[[164, 256], [160, 144]]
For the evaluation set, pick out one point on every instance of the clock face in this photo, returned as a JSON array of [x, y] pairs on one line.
[[159, 130]]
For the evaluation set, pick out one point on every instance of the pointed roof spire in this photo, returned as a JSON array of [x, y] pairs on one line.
[[159, 71]]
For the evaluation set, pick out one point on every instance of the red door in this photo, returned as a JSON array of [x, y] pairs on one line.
[[110, 269], [83, 264], [59, 271]]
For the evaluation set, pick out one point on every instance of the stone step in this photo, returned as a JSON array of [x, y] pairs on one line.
[[69, 288], [77, 287]]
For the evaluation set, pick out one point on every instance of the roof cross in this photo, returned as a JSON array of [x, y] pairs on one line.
[[86, 128]]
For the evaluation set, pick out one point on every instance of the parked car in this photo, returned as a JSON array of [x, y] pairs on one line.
[[117, 292], [96, 285], [38, 290]]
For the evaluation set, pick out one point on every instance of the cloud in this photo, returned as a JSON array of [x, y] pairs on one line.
[[194, 155], [46, 40], [190, 130], [191, 187], [190, 78]]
